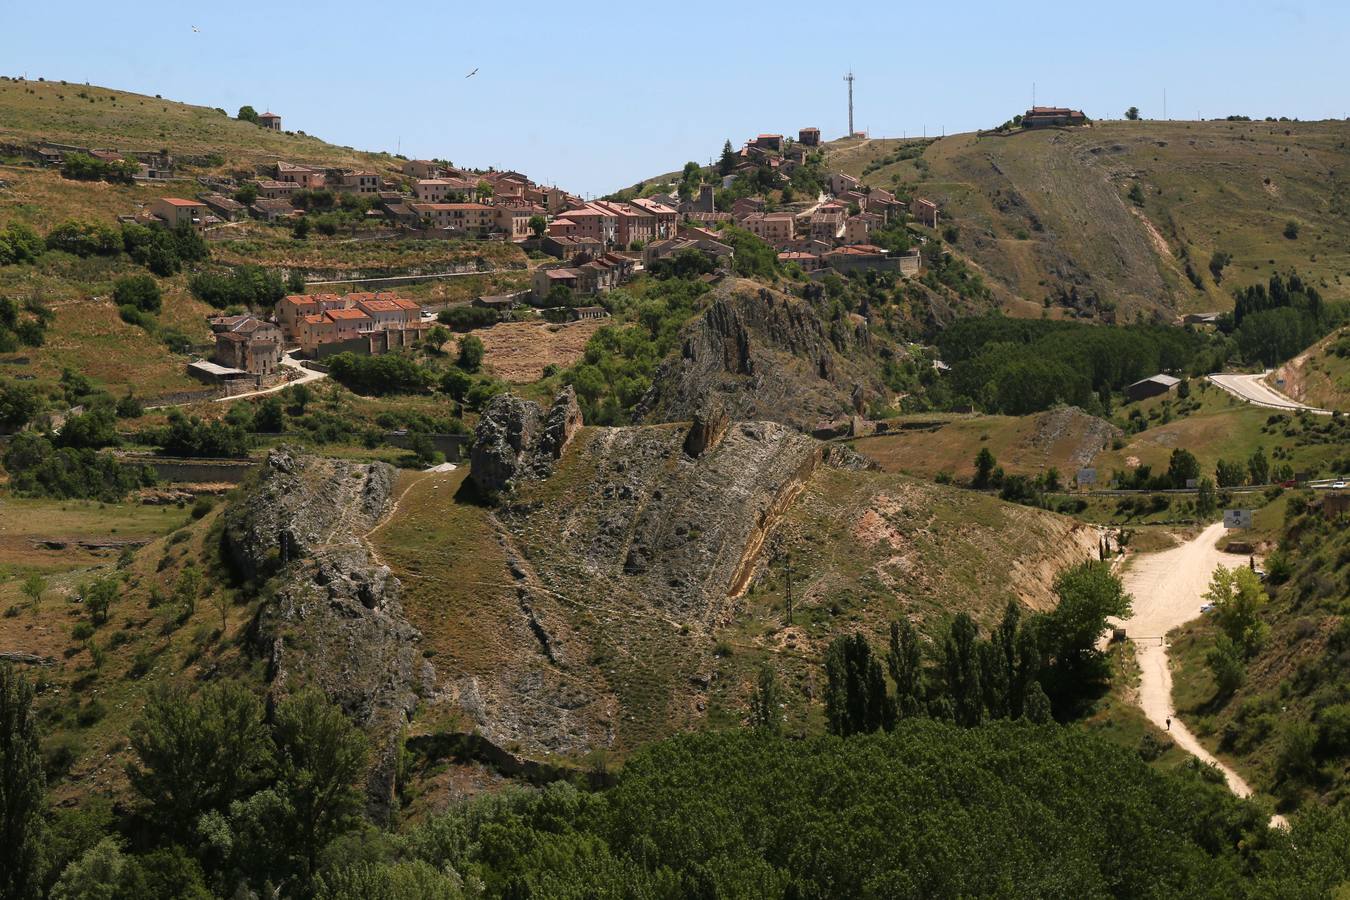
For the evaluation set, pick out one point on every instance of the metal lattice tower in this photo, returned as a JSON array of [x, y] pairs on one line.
[[849, 79]]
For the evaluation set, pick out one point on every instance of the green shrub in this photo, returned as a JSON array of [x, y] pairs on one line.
[[139, 291]]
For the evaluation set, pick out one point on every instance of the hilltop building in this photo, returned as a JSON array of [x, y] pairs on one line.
[[1043, 116]]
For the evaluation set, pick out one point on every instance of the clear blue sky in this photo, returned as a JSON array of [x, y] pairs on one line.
[[596, 96]]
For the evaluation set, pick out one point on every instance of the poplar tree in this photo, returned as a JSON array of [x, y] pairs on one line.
[[961, 667], [21, 790], [905, 662]]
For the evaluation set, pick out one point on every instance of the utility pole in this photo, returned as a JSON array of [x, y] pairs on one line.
[[787, 566], [849, 79]]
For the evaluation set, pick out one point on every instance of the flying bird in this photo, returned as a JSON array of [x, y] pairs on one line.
[[196, 29], [471, 74]]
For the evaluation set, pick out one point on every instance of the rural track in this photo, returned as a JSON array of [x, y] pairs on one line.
[[1168, 589], [306, 376], [1253, 389]]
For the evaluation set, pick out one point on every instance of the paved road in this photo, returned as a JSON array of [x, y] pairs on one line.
[[1254, 389], [1168, 589]]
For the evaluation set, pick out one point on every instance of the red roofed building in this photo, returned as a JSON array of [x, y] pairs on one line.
[[333, 326], [389, 312], [292, 309], [477, 219], [175, 211], [589, 221], [446, 190], [666, 218], [1042, 116], [270, 121]]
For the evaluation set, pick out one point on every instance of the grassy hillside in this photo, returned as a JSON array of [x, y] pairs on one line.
[[1047, 212], [1320, 376], [1209, 423], [98, 671], [926, 445], [87, 334], [99, 117]]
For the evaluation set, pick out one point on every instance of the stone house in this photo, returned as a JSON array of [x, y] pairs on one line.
[[276, 190], [421, 168], [925, 212], [773, 228], [273, 210], [827, 224], [306, 177], [839, 182], [359, 181], [225, 208], [247, 343], [271, 121]]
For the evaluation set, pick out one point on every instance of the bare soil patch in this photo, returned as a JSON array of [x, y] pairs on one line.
[[519, 351]]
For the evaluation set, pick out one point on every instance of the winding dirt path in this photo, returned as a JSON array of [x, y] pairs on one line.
[[1168, 590]]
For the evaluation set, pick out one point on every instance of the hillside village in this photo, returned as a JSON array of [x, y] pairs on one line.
[[600, 244], [384, 527]]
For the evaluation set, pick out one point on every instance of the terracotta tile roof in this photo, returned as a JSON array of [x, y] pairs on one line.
[[351, 314], [178, 201], [859, 250]]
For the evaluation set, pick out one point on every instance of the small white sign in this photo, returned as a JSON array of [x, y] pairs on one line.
[[1192, 482], [1237, 518], [1087, 476]]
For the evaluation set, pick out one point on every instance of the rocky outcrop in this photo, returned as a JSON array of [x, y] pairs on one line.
[[516, 439], [706, 431], [765, 355], [334, 619], [1069, 431]]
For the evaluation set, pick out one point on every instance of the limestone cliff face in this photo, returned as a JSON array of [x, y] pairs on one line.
[[765, 355], [335, 620]]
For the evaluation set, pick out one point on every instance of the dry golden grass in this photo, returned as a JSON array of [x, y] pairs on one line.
[[1050, 208], [1017, 442], [519, 351], [125, 121]]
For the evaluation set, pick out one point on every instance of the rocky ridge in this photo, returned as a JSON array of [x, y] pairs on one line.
[[765, 356], [335, 619]]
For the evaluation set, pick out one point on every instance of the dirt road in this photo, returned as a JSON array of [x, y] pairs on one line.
[[290, 362], [1254, 389], [1168, 589]]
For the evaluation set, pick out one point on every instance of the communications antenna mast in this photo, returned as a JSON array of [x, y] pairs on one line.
[[849, 79]]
